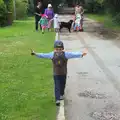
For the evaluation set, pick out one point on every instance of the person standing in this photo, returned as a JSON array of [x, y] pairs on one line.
[[38, 13], [79, 10], [82, 17], [50, 13], [43, 23], [56, 23], [60, 59]]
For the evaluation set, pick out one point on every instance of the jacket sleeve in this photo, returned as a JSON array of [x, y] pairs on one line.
[[52, 13], [70, 55], [44, 55], [45, 11]]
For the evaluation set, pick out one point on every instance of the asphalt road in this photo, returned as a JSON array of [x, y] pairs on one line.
[[93, 84]]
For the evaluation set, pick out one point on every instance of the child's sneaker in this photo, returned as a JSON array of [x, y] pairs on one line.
[[61, 97], [42, 32], [49, 30], [57, 103], [81, 30]]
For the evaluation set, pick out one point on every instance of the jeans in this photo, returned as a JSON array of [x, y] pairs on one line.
[[76, 25], [60, 82]]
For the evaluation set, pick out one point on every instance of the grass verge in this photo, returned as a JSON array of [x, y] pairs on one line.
[[26, 85], [105, 19]]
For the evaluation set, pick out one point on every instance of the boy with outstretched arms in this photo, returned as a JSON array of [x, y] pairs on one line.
[[59, 59]]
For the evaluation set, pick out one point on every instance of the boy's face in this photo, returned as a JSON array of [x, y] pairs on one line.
[[58, 49]]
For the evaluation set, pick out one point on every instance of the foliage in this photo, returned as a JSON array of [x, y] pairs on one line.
[[3, 11], [30, 6], [94, 6], [116, 18], [111, 7], [21, 8], [10, 5]]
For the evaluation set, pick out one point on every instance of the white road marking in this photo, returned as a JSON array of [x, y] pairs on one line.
[[61, 112], [56, 37]]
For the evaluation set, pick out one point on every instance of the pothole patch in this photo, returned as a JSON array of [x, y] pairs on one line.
[[105, 116], [92, 94], [110, 112]]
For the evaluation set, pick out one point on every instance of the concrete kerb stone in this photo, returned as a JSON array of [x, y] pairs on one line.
[[61, 112]]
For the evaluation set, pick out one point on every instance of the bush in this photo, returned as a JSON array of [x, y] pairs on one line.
[[21, 8], [116, 18], [9, 5], [94, 6], [3, 16], [31, 7]]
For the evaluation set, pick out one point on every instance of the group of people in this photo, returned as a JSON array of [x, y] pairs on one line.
[[78, 18], [43, 18], [46, 19]]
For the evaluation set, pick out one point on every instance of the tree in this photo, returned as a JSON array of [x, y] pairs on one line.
[[3, 16], [9, 5]]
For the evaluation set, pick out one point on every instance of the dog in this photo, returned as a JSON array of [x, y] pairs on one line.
[[66, 25]]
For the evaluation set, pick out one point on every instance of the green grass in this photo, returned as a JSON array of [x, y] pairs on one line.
[[26, 85], [105, 19]]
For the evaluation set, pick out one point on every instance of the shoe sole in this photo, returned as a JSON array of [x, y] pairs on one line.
[[57, 104]]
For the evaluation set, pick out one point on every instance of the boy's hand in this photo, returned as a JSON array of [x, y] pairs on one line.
[[32, 52], [85, 51]]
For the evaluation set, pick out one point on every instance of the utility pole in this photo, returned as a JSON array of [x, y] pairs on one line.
[[14, 6]]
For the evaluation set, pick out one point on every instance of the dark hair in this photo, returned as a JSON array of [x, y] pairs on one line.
[[39, 2], [77, 4]]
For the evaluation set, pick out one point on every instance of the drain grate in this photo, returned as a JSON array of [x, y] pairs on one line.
[[92, 94]]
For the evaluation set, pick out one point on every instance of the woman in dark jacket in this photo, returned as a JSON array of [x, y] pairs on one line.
[[38, 12]]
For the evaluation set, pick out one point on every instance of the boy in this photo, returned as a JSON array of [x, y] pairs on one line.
[[59, 58]]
